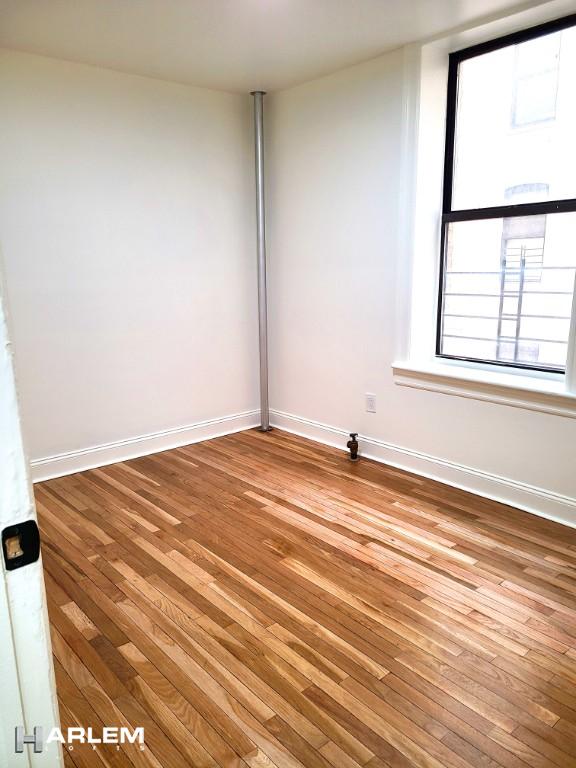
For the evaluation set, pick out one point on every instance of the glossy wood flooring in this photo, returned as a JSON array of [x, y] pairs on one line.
[[257, 600]]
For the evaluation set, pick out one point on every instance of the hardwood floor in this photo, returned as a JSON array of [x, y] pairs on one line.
[[258, 600]]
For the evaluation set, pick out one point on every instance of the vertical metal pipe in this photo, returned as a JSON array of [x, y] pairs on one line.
[[261, 250]]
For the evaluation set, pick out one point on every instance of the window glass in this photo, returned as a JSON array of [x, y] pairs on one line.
[[508, 288], [516, 123]]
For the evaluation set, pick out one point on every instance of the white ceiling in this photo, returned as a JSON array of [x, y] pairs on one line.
[[236, 45]]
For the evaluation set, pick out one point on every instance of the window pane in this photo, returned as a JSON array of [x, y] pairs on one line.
[[515, 124], [508, 286]]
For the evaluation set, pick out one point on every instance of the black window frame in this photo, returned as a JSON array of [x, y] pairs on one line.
[[493, 212]]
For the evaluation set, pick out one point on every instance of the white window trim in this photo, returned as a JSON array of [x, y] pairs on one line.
[[416, 366], [531, 393]]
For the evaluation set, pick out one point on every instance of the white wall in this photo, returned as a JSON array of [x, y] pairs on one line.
[[334, 187], [126, 224], [126, 228]]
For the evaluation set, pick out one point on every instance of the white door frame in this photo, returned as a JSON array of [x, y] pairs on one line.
[[27, 685]]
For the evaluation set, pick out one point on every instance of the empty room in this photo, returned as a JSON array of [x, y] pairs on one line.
[[287, 384]]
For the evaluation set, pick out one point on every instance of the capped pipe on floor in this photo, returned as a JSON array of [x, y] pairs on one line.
[[352, 446], [261, 254]]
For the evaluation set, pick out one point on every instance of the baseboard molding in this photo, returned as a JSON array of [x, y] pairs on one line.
[[537, 501], [131, 448]]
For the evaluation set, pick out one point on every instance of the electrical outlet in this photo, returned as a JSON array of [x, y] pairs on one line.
[[370, 403]]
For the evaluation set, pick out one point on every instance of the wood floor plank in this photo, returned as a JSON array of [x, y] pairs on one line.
[[257, 601]]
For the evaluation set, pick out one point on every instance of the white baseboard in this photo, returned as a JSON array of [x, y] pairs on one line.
[[537, 501], [131, 448]]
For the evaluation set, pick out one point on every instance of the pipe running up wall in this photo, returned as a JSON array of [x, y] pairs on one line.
[[261, 252]]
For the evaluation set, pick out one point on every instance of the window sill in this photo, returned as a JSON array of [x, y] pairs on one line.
[[533, 394]]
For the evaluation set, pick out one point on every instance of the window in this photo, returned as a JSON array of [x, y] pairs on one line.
[[535, 80], [509, 208]]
